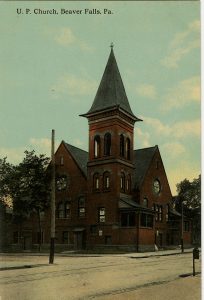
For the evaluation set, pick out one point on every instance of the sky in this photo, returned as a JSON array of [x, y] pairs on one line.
[[51, 66]]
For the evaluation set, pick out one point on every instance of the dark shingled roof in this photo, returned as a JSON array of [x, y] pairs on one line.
[[142, 160], [80, 156], [111, 92], [126, 202], [175, 212]]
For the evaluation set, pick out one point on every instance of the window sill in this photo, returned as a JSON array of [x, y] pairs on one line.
[[128, 227], [96, 191], [144, 227]]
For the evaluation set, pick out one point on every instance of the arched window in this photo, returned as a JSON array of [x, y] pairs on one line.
[[145, 202], [63, 210], [96, 181], [160, 213], [106, 181], [127, 148], [97, 142], [122, 182], [102, 214], [122, 144], [167, 212], [157, 212], [81, 207], [128, 184], [107, 144], [60, 210], [67, 209], [61, 160], [156, 186]]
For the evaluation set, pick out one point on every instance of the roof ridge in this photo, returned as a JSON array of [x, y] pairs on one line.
[[156, 146], [75, 147], [142, 161], [79, 156]]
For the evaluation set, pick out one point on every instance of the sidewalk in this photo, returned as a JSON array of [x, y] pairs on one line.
[[9, 261], [159, 253]]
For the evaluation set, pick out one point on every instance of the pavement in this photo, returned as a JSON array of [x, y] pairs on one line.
[[6, 261], [76, 276], [185, 288]]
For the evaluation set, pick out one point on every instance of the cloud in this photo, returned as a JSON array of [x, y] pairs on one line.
[[146, 90], [157, 125], [78, 142], [74, 86], [186, 128], [180, 129], [173, 150], [40, 145], [179, 172], [64, 36], [14, 155], [143, 138], [182, 44], [184, 93]]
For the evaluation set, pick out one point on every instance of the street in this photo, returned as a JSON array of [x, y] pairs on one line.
[[124, 276]]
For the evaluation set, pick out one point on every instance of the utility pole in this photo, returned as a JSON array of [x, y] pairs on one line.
[[182, 247], [52, 227]]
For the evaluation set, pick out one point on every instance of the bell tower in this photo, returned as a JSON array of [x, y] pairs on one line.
[[111, 139]]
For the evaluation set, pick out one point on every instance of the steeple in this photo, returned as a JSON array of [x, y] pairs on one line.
[[111, 92]]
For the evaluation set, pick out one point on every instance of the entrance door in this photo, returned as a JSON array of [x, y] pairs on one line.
[[160, 239], [78, 240], [27, 243]]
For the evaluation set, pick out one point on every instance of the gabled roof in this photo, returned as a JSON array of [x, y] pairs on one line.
[[175, 212], [126, 203], [80, 156], [111, 92], [142, 160]]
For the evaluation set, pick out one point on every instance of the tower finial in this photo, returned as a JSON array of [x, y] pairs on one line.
[[111, 45]]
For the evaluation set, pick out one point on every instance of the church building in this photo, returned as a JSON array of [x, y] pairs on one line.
[[111, 197]]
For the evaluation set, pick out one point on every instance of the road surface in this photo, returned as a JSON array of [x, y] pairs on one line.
[[99, 277]]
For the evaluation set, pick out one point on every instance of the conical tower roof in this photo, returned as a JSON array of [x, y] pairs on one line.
[[111, 92]]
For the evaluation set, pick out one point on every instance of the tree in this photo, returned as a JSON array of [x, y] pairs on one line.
[[6, 170], [190, 193], [28, 184]]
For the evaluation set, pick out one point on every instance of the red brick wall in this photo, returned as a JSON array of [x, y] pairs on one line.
[[146, 236], [114, 164], [156, 171], [77, 187], [128, 236], [116, 127]]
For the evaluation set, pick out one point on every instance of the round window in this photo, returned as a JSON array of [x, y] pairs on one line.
[[62, 182], [156, 186]]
